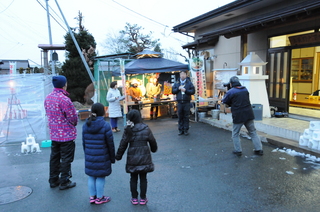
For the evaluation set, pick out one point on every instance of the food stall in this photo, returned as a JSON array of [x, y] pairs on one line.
[[149, 64]]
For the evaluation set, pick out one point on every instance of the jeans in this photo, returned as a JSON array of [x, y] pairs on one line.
[[183, 115], [134, 184], [114, 122], [62, 155], [96, 186], [252, 133]]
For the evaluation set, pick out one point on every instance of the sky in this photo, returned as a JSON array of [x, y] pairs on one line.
[[24, 23]]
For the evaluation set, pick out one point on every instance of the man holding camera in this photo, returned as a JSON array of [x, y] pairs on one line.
[[242, 114]]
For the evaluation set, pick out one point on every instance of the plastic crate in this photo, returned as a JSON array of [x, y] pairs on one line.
[[46, 143]]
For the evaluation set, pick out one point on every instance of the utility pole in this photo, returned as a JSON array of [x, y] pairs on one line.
[[50, 38], [77, 46]]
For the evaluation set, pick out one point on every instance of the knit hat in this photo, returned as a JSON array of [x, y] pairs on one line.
[[59, 81]]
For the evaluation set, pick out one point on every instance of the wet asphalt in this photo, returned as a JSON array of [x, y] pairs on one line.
[[197, 172]]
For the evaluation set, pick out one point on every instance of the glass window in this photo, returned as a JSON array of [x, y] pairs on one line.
[[257, 70], [245, 70]]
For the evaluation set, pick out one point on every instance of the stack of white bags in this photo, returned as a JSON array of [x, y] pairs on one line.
[[311, 136]]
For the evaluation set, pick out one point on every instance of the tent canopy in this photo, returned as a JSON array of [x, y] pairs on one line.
[[154, 65], [150, 62]]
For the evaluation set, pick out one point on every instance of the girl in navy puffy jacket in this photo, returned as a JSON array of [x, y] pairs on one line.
[[99, 152]]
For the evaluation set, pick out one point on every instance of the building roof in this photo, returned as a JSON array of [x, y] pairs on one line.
[[247, 16], [280, 16], [20, 64], [213, 16]]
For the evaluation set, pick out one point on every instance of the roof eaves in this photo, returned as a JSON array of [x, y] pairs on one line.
[[265, 18], [215, 13]]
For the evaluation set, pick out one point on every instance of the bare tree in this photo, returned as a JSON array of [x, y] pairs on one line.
[[113, 43], [131, 40]]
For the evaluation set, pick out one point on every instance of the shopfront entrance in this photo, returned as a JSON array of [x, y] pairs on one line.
[[293, 71], [278, 84]]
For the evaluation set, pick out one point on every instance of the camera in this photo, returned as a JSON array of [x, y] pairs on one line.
[[227, 85]]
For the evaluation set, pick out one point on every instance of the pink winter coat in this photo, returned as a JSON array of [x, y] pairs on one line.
[[62, 116]]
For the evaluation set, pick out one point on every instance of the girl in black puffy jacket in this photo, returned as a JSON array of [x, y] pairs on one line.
[[139, 162]]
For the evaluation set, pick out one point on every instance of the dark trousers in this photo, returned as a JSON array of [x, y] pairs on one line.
[[62, 155], [135, 106], [152, 110], [114, 122], [183, 115], [134, 184]]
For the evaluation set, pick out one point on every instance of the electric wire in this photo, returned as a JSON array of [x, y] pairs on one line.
[[53, 16], [12, 48], [7, 7], [140, 14], [21, 22], [9, 38], [150, 19]]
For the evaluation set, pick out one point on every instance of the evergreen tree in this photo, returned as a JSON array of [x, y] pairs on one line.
[[73, 68], [157, 48]]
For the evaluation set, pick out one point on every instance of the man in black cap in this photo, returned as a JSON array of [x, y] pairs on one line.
[[242, 114], [183, 89], [62, 119]]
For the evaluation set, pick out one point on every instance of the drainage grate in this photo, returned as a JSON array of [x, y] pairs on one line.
[[13, 193]]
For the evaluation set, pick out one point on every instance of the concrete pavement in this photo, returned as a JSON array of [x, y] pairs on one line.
[[193, 173]]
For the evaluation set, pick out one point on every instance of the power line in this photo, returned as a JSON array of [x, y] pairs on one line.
[[165, 26], [7, 7], [56, 13], [23, 26], [52, 16], [22, 22], [12, 48], [7, 38], [140, 14]]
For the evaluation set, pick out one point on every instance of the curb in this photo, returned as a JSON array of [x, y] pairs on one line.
[[289, 144], [273, 140]]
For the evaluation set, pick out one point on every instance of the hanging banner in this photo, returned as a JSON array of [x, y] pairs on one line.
[[199, 77], [13, 67], [124, 90]]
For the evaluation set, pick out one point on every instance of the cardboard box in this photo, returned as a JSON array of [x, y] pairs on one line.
[[163, 110], [83, 114], [145, 112], [224, 109]]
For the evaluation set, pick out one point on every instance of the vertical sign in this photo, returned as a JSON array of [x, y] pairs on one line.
[[199, 76], [13, 67], [124, 90]]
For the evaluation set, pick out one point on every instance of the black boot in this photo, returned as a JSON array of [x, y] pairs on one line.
[[67, 185], [186, 132], [180, 132]]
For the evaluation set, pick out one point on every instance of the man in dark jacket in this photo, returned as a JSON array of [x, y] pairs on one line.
[[242, 114], [183, 89]]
